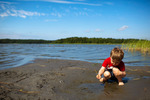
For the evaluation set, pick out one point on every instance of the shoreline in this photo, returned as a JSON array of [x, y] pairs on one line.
[[33, 61], [56, 79]]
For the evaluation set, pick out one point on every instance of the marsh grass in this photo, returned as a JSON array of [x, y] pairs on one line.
[[141, 45]]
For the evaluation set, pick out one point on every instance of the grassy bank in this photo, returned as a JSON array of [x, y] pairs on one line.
[[141, 45]]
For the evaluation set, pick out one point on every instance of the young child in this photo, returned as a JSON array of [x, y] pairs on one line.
[[113, 67]]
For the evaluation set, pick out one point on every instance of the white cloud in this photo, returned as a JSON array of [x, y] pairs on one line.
[[3, 14], [68, 2], [81, 14], [58, 1], [97, 30], [109, 3], [20, 13], [123, 28], [3, 2], [8, 10], [79, 0], [51, 20], [87, 31], [57, 14], [2, 6]]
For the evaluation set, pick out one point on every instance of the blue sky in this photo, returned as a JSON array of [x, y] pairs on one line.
[[55, 19]]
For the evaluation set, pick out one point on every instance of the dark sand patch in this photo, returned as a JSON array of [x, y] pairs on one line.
[[52, 79]]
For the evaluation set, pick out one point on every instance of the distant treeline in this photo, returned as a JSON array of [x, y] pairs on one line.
[[72, 40], [29, 41], [94, 40]]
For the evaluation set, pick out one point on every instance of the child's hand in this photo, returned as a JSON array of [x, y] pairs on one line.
[[98, 77]]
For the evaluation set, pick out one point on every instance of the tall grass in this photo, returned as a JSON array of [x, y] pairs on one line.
[[141, 45]]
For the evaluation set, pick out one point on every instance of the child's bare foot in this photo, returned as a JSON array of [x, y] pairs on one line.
[[121, 83]]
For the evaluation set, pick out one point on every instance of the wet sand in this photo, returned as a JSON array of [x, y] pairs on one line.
[[53, 79]]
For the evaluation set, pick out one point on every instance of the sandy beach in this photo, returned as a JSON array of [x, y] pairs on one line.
[[54, 79]]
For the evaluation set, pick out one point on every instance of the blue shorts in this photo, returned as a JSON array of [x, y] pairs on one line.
[[113, 78]]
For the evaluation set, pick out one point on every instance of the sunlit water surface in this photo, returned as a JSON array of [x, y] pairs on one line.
[[14, 55]]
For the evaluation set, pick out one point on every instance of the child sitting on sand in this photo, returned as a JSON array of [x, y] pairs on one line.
[[113, 67]]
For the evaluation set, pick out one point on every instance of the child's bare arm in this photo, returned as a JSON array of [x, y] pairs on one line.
[[101, 71]]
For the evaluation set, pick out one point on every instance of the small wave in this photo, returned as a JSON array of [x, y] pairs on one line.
[[15, 52], [62, 50], [55, 56], [94, 59], [73, 57], [48, 55], [129, 62]]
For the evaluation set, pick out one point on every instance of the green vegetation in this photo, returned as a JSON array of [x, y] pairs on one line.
[[23, 41], [141, 45], [82, 40], [72, 40]]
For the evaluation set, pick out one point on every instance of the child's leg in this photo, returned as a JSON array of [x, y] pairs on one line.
[[107, 75], [119, 75]]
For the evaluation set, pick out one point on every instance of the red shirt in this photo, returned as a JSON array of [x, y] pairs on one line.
[[107, 63]]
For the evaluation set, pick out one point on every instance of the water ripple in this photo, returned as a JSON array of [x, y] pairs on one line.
[[13, 55]]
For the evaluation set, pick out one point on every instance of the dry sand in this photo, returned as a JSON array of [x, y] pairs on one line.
[[53, 79]]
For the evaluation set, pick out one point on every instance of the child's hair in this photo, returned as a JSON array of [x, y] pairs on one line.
[[117, 54]]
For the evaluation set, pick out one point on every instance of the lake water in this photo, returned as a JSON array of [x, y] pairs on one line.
[[14, 55]]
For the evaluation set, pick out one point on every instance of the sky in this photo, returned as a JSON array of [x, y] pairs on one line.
[[56, 19]]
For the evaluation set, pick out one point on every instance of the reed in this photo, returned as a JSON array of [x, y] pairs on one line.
[[141, 45]]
